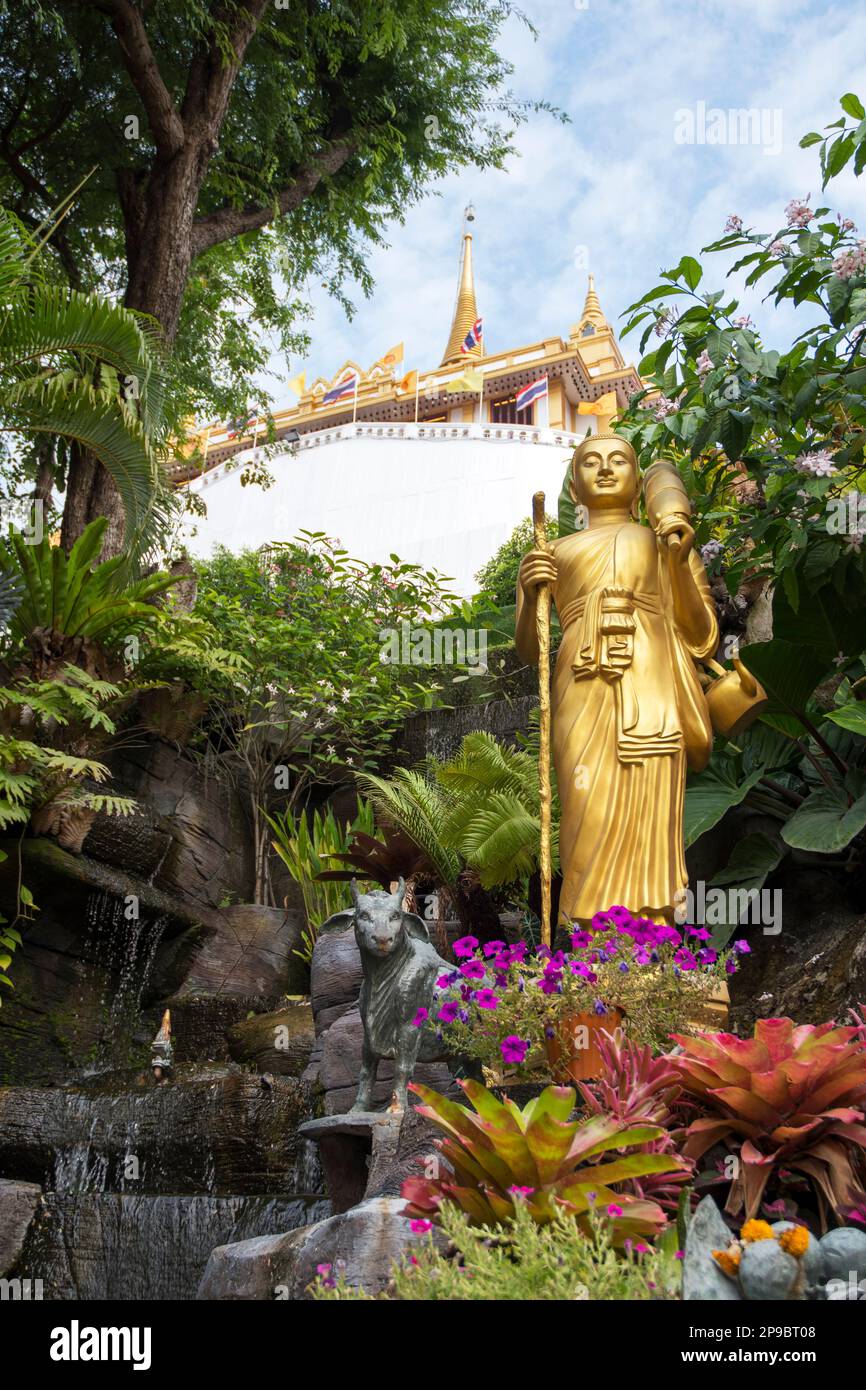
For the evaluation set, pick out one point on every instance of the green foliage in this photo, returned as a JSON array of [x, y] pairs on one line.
[[307, 844], [480, 809], [78, 367], [521, 1262], [498, 577], [309, 698], [74, 595], [501, 1158]]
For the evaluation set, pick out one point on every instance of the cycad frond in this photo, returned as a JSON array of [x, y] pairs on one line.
[[415, 806]]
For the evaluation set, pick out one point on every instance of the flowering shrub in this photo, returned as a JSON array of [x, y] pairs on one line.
[[519, 1262], [500, 1156], [502, 1001], [789, 1103]]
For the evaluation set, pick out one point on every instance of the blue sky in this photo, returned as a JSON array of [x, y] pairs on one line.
[[613, 192]]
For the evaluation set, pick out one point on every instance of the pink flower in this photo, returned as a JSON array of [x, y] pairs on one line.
[[486, 999], [492, 948], [798, 213], [449, 1011], [613, 1210], [420, 1018], [466, 946], [851, 262], [420, 1226], [472, 970], [704, 363], [734, 223], [521, 1191], [779, 249]]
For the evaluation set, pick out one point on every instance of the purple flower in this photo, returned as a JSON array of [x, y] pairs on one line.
[[513, 1049], [623, 967], [684, 959], [742, 948], [463, 1015], [707, 956], [472, 970], [700, 933], [730, 966], [449, 1011], [579, 967], [618, 914], [492, 948], [552, 983], [580, 939], [446, 981], [420, 1018], [486, 999], [599, 1007], [465, 946]]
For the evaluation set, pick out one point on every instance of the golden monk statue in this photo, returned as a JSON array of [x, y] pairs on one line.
[[629, 712]]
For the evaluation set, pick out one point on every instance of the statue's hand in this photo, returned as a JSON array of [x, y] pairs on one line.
[[678, 538], [538, 567]]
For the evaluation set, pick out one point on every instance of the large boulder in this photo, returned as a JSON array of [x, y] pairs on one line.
[[336, 976], [279, 1042], [19, 1202], [363, 1243], [253, 952]]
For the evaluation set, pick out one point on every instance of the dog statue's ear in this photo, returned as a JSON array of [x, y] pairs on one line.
[[355, 891]]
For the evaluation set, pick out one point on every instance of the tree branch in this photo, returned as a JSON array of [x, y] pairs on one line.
[[228, 222], [212, 76], [165, 122]]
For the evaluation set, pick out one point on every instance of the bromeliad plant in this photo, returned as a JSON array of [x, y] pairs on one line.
[[499, 1156], [789, 1103], [500, 1002]]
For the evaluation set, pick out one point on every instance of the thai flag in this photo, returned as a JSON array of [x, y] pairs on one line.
[[242, 425], [473, 337], [346, 387], [535, 391]]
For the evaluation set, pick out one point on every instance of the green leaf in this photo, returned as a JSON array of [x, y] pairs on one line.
[[709, 795], [852, 106], [851, 716], [825, 823]]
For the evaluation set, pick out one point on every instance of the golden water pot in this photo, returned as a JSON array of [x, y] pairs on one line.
[[734, 699]]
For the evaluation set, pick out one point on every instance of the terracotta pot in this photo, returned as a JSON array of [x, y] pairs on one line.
[[581, 1060]]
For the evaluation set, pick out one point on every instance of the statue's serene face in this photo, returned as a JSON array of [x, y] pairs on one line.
[[605, 475]]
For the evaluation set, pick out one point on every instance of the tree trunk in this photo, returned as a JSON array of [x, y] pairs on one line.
[[159, 253]]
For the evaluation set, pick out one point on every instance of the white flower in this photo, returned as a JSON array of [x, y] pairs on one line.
[[374, 680], [331, 750], [320, 646], [330, 709], [819, 462], [319, 724], [350, 761], [345, 694]]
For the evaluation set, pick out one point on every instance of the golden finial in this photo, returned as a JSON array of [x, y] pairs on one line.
[[592, 310], [465, 309]]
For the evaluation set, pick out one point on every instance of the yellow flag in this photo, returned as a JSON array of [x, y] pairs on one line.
[[605, 405], [392, 356], [469, 381], [409, 382], [298, 384]]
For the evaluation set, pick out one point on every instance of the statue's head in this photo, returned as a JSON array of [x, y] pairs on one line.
[[604, 473], [378, 919]]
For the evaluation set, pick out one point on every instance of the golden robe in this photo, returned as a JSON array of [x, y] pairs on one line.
[[629, 715]]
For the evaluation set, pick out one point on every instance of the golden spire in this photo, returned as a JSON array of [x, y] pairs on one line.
[[592, 311], [465, 309]]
